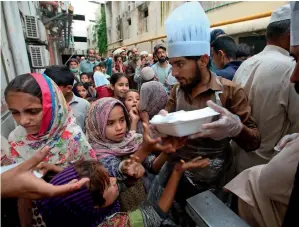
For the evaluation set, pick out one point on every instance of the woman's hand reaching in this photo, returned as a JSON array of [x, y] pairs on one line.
[[21, 182]]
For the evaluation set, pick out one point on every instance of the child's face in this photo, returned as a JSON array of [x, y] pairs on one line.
[[84, 79], [121, 87], [26, 109], [132, 100], [119, 60], [73, 65], [82, 91], [97, 69], [111, 192], [103, 69], [116, 125]]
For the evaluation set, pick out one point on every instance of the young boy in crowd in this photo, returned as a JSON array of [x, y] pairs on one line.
[[103, 70], [96, 68], [74, 67], [64, 78]]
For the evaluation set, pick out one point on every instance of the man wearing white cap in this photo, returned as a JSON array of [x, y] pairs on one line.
[[188, 36], [266, 79]]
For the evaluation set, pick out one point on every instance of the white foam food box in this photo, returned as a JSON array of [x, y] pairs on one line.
[[183, 123]]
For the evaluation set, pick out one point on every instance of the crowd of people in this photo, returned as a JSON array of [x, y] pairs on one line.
[[86, 128]]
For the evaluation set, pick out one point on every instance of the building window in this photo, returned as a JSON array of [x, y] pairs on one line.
[[80, 39], [79, 17], [145, 13], [129, 21]]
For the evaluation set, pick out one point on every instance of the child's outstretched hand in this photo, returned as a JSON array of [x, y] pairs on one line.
[[193, 164], [154, 144], [175, 142], [132, 167]]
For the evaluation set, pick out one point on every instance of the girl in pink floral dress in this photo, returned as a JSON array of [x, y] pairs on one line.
[[43, 118]]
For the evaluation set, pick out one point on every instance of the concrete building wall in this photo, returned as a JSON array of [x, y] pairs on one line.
[[91, 36], [14, 50], [153, 26], [84, 28]]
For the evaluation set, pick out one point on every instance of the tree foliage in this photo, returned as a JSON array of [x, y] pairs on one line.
[[101, 32]]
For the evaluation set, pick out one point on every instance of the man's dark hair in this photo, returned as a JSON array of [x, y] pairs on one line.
[[196, 58], [128, 53], [277, 29], [72, 60], [89, 49], [226, 44], [159, 46], [60, 74], [244, 50]]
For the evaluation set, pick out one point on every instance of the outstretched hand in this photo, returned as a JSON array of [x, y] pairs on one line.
[[154, 144], [21, 182], [132, 167], [175, 142], [193, 164]]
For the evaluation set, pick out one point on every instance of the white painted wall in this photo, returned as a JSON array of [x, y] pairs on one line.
[[80, 28]]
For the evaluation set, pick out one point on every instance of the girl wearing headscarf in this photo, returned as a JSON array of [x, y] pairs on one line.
[[44, 119], [108, 131], [96, 205]]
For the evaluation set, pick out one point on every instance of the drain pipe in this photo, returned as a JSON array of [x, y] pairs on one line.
[[16, 37]]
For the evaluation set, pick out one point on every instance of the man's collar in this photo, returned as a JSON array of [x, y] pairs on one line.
[[91, 61], [74, 99], [159, 64], [277, 48]]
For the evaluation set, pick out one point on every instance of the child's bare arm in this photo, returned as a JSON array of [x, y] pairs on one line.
[[159, 162], [168, 195]]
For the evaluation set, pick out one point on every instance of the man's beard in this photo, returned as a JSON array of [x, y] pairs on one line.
[[162, 59], [296, 86], [91, 58], [195, 80], [135, 57]]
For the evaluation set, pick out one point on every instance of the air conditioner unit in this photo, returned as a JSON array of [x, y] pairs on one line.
[[38, 56], [31, 27]]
